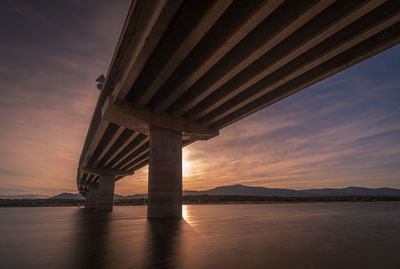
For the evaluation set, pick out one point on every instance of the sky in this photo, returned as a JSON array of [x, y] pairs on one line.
[[343, 131]]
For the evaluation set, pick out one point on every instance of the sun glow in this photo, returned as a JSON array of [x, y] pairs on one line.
[[186, 165], [186, 214]]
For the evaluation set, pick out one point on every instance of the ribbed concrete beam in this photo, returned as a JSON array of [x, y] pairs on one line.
[[151, 20], [231, 19], [95, 180], [100, 130], [121, 148], [138, 161], [206, 21], [82, 177], [134, 157], [284, 21], [362, 51], [115, 136], [122, 142], [134, 147], [298, 67], [90, 179], [140, 120], [311, 34], [106, 172], [140, 165], [108, 137]]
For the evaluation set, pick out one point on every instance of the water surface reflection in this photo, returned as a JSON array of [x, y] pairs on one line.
[[164, 243], [115, 240], [318, 235], [92, 239]]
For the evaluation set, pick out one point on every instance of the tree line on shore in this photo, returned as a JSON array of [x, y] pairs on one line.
[[199, 199]]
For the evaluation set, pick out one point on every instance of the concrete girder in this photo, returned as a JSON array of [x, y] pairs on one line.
[[151, 21], [133, 156], [136, 158], [282, 29], [140, 120], [349, 59], [139, 151], [139, 165], [120, 158], [113, 139], [90, 179], [273, 60], [138, 161], [251, 21], [151, 16], [204, 24], [254, 92], [124, 145], [105, 172], [111, 134], [95, 142]]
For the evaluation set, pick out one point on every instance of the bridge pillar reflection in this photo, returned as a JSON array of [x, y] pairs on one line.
[[105, 193], [165, 174], [91, 199]]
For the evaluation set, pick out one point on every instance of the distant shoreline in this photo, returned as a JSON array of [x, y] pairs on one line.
[[200, 199]]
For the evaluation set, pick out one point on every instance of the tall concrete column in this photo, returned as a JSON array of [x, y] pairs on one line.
[[105, 193], [91, 199], [165, 174]]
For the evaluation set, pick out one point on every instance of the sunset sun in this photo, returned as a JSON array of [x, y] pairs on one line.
[[186, 164]]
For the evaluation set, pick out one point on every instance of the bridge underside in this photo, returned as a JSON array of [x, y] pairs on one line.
[[183, 70]]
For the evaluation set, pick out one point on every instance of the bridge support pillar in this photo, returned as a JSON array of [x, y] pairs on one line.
[[165, 174], [91, 199], [105, 193]]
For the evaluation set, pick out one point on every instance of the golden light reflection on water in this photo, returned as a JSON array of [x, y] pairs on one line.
[[185, 213]]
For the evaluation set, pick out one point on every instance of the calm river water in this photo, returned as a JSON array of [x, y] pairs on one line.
[[313, 235]]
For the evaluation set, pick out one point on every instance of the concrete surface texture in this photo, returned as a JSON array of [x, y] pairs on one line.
[[195, 67]]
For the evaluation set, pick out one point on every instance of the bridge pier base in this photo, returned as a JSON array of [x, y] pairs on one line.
[[91, 199], [165, 174], [105, 193]]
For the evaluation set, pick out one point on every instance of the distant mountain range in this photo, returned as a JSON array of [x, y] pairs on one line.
[[69, 196], [24, 196], [242, 190], [261, 191]]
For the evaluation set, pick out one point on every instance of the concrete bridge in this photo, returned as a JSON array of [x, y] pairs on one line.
[[185, 69]]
